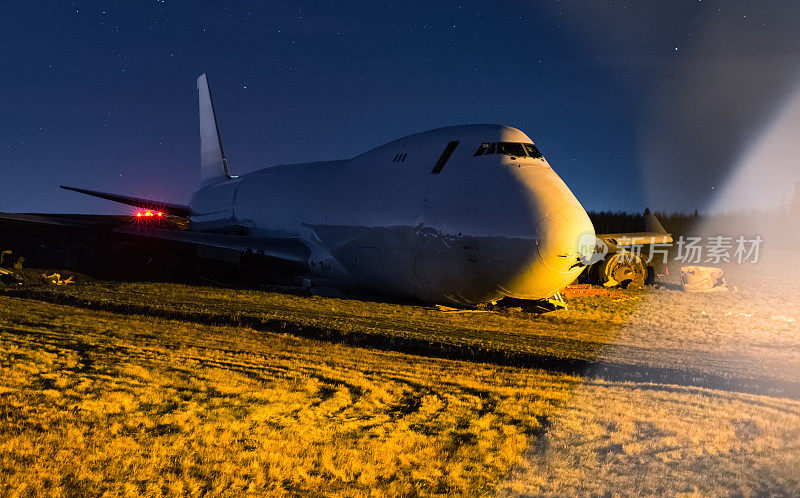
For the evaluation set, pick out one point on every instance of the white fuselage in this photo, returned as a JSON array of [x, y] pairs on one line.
[[480, 229]]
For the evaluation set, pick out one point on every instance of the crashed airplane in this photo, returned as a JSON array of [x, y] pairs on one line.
[[460, 215]]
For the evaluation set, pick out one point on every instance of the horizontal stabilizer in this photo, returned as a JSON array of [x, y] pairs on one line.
[[635, 238], [654, 234], [173, 209]]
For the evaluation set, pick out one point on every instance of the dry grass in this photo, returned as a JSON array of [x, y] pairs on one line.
[[753, 332], [646, 439], [94, 402], [635, 439], [97, 402], [576, 332]]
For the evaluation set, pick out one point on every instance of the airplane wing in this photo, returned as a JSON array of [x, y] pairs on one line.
[[39, 219], [291, 253], [166, 207], [290, 250], [62, 220]]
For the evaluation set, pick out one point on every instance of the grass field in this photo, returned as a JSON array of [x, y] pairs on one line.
[[577, 332], [741, 334], [653, 439], [163, 388], [96, 402], [645, 439]]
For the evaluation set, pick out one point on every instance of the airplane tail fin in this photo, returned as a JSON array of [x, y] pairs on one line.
[[652, 224], [213, 164]]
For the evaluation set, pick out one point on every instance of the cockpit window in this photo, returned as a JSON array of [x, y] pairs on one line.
[[511, 149], [532, 150], [481, 149]]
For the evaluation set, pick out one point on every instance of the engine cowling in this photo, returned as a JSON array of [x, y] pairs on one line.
[[624, 269]]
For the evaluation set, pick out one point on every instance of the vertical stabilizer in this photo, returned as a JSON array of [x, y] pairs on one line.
[[652, 224], [213, 165]]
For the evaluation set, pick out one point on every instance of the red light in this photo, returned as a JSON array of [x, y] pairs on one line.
[[149, 213]]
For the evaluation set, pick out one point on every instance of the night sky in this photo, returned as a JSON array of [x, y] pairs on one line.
[[633, 103]]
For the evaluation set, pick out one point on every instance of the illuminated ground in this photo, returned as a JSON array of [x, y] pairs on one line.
[[163, 387]]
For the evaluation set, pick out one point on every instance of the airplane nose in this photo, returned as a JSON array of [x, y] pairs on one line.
[[534, 237], [537, 267], [565, 240]]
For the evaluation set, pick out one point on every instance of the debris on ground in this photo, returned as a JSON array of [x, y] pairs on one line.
[[702, 279], [55, 278], [557, 301], [541, 306], [448, 309], [8, 277], [611, 283], [588, 290]]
